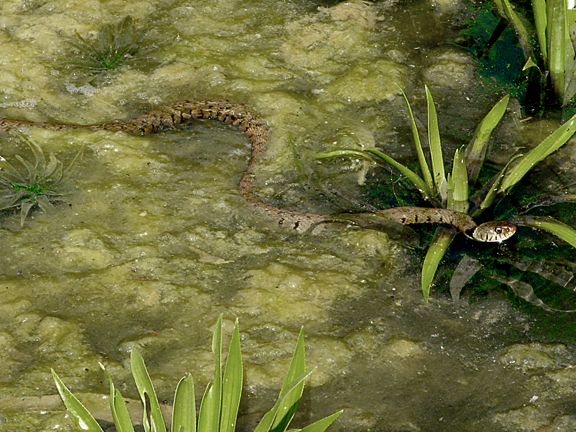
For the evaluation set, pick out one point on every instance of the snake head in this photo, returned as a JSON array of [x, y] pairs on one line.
[[494, 231]]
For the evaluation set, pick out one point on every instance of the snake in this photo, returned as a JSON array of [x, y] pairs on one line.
[[256, 131]]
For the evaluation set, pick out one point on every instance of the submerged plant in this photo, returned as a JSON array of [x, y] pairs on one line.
[[547, 44], [114, 46], [554, 23], [39, 184], [219, 407], [453, 191]]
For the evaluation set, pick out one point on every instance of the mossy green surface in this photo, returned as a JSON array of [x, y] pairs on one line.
[[156, 241]]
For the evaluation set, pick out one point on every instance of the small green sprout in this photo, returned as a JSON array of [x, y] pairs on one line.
[[39, 184]]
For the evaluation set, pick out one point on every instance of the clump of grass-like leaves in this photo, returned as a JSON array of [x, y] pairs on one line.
[[114, 46], [219, 407], [453, 191], [38, 183]]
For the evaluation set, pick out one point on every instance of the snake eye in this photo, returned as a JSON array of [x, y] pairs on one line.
[[498, 230]]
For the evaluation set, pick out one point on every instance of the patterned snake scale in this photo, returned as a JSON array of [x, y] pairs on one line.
[[256, 131]]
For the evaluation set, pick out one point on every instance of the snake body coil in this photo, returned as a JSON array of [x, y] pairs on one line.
[[255, 129]]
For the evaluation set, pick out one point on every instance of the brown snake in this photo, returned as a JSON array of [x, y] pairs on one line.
[[256, 131]]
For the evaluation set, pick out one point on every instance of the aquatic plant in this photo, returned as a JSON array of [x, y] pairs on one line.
[[114, 46], [547, 44], [219, 407], [499, 58], [555, 32], [39, 184], [453, 191]]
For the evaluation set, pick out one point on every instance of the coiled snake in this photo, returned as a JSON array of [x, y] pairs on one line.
[[255, 129]]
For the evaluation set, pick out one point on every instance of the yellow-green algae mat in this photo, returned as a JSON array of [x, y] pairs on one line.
[[156, 242]]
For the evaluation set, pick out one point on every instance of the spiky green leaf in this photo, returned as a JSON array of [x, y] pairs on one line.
[[152, 420], [541, 22], [122, 420], [79, 413], [416, 180], [434, 255], [436, 148], [290, 403], [210, 408], [478, 146], [553, 226], [280, 412], [552, 143], [459, 178], [184, 413], [419, 151], [384, 158], [209, 413], [556, 33], [524, 36], [232, 384], [322, 425]]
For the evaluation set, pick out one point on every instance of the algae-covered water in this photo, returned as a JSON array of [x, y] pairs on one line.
[[154, 241]]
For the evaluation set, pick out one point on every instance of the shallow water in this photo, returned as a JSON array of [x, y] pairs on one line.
[[155, 240]]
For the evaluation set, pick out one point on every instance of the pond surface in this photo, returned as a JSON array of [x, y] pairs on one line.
[[155, 241]]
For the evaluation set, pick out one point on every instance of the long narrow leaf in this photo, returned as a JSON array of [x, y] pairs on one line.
[[434, 255], [508, 12], [416, 180], [553, 226], [153, 419], [570, 58], [552, 143], [556, 33], [297, 364], [541, 21], [476, 150], [450, 191], [184, 414], [322, 425], [435, 147], [25, 208], [460, 181], [122, 419], [120, 414], [78, 412], [382, 157], [10, 174], [209, 416], [290, 403], [232, 384], [217, 383], [269, 418], [417, 143]]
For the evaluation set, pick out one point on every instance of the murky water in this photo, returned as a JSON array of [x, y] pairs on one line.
[[155, 240]]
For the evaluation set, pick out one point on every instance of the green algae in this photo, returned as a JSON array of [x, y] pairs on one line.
[[157, 241]]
